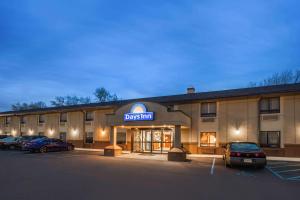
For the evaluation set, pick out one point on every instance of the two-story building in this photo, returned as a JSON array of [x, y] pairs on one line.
[[200, 122]]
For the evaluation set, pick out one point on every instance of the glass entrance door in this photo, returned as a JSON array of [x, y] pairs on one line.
[[153, 140]]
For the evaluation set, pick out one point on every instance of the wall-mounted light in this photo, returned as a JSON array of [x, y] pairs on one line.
[[237, 131], [103, 131], [123, 126], [51, 131], [1, 131], [13, 132], [74, 131], [30, 132]]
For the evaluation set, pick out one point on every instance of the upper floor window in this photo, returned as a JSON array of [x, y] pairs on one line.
[[89, 116], [23, 120], [7, 120], [270, 105], [208, 109], [63, 117], [42, 119]]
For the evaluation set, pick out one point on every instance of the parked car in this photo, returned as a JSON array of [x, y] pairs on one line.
[[25, 139], [44, 145], [4, 136], [244, 154], [7, 142]]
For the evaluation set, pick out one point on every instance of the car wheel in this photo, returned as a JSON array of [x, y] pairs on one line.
[[43, 149]]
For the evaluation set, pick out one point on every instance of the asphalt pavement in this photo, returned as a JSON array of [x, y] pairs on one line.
[[89, 175]]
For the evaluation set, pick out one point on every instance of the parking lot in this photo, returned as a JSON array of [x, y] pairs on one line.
[[89, 175]]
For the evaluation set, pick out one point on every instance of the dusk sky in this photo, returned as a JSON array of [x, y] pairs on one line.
[[141, 48]]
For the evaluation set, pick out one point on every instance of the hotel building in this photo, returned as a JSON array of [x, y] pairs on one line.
[[197, 122]]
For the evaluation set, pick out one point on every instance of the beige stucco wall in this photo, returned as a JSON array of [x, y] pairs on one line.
[[232, 115]]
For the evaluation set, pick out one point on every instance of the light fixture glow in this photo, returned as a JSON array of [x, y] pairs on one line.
[[74, 131], [30, 132], [51, 132], [237, 131], [1, 131], [13, 132]]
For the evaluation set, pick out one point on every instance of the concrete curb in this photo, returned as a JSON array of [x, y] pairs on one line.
[[191, 156]]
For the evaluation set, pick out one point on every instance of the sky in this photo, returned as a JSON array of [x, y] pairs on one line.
[[141, 48]]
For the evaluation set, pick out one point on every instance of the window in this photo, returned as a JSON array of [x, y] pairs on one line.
[[208, 139], [42, 119], [121, 138], [63, 117], [208, 109], [41, 133], [63, 136], [269, 139], [270, 105], [23, 120], [7, 120], [89, 138], [89, 116]]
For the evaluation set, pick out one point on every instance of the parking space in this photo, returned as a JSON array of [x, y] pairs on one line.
[[90, 175], [285, 170]]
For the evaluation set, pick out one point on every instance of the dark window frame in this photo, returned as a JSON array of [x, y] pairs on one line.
[[63, 120], [89, 116], [269, 110], [8, 122], [89, 139], [209, 144], [22, 119], [267, 144], [208, 114], [60, 136], [42, 121]]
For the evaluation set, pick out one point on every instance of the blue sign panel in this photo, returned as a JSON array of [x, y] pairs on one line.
[[138, 112]]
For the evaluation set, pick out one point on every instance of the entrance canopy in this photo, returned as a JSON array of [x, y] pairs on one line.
[[144, 114]]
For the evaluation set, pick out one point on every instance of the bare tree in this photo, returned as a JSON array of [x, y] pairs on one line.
[[285, 77]]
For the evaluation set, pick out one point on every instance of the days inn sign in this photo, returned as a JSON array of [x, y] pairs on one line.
[[138, 112]]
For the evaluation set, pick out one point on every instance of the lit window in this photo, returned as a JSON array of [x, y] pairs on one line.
[[208, 109], [208, 139]]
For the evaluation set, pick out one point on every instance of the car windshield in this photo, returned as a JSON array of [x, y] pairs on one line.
[[244, 147], [39, 139], [8, 139]]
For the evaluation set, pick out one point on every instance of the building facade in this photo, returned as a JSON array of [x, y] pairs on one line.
[[198, 122]]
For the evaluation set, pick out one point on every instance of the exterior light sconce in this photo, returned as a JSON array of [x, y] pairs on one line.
[[13, 132], [51, 131], [237, 132], [74, 131], [1, 131], [103, 131], [30, 132]]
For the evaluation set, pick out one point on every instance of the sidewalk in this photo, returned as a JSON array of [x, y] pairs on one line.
[[190, 156]]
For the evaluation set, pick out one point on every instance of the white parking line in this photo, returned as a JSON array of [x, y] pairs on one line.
[[294, 178], [285, 166], [212, 166], [291, 170]]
